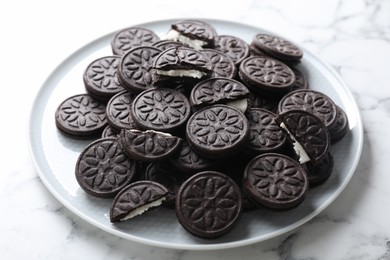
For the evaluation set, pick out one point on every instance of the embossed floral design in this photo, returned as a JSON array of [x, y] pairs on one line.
[[136, 66], [266, 134], [232, 46], [218, 127], [278, 44], [83, 112], [222, 65], [133, 37], [161, 109], [102, 74], [213, 90], [104, 167], [312, 101], [268, 71], [199, 30], [277, 179], [118, 110], [211, 203]]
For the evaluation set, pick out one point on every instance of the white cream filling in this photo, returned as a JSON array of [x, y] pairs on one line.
[[240, 104], [298, 148], [144, 208], [182, 73], [174, 35]]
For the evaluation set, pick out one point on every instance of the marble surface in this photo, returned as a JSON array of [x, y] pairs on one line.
[[352, 36]]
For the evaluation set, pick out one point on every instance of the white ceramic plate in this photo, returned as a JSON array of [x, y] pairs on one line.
[[55, 155]]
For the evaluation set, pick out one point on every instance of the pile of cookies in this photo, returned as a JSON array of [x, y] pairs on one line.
[[205, 124]]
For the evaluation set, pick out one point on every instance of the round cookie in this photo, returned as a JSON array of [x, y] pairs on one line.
[[312, 101], [81, 116], [132, 37], [208, 204], [222, 65], [135, 68], [136, 198], [340, 129], [266, 75], [277, 47], [217, 131], [148, 145], [234, 47], [161, 109], [318, 173], [217, 90], [265, 133], [100, 78], [310, 137], [167, 44], [102, 169], [109, 132], [119, 111], [275, 181]]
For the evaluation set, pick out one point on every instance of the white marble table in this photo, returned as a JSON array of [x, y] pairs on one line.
[[352, 36]]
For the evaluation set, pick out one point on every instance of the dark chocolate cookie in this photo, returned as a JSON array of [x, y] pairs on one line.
[[217, 131], [265, 133], [195, 33], [100, 77], [109, 132], [267, 74], [136, 198], [132, 37], [102, 169], [222, 65], [309, 135], [277, 47], [217, 91], [275, 181], [167, 44], [119, 111], [208, 204], [318, 173], [181, 62], [313, 101], [161, 109], [148, 145], [81, 116], [301, 81], [263, 101], [339, 130], [135, 68], [234, 47]]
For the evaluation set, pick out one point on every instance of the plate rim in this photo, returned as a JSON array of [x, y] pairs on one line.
[[32, 145]]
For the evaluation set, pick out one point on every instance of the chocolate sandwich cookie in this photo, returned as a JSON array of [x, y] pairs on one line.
[[310, 137], [161, 109], [222, 65], [148, 145], [263, 74], [217, 131], [265, 133], [263, 101], [181, 62], [301, 81], [275, 181], [132, 37], [339, 130], [187, 160], [135, 68], [137, 198], [218, 91], [234, 47], [102, 169], [208, 204], [119, 111], [277, 47], [194, 33], [81, 116], [318, 173], [100, 78], [312, 101]]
